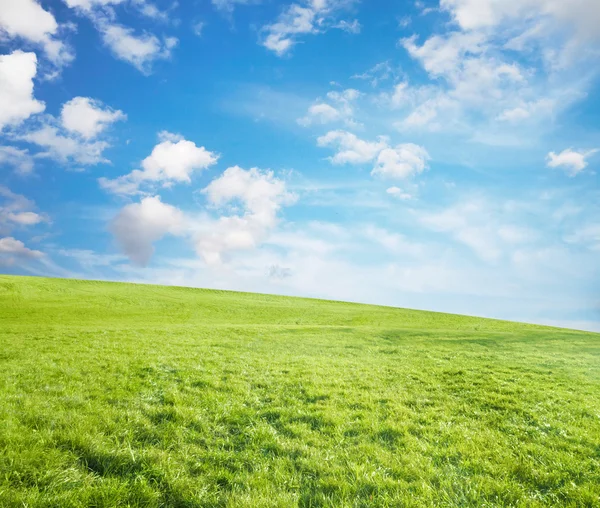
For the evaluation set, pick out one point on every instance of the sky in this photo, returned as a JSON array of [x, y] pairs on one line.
[[423, 154]]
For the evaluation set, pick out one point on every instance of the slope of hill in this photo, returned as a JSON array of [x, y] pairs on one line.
[[133, 395]]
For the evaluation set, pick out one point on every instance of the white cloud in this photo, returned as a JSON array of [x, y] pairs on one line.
[[198, 28], [397, 192], [88, 117], [442, 55], [401, 162], [500, 68], [261, 196], [526, 110], [352, 27], [320, 113], [28, 20], [314, 16], [258, 193], [139, 50], [139, 225], [381, 71], [571, 161], [16, 211], [486, 227], [13, 250], [65, 148], [350, 148], [17, 103], [393, 242], [587, 236], [21, 160], [342, 110], [89, 4], [404, 160], [229, 5], [173, 160], [581, 16]]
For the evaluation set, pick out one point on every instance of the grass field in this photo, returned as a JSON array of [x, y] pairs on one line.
[[132, 395]]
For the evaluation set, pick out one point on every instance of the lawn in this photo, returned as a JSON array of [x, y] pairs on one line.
[[136, 395]]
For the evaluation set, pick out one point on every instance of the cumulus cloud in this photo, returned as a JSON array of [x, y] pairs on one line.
[[173, 160], [401, 162], [73, 139], [581, 16], [247, 203], [500, 65], [340, 108], [17, 211], [20, 160], [481, 226], [139, 225], [229, 5], [26, 19], [398, 193], [587, 235], [311, 17], [13, 251], [88, 117], [352, 27], [17, 102], [398, 162], [571, 161], [260, 195], [89, 4], [139, 50], [350, 148], [66, 148], [380, 72]]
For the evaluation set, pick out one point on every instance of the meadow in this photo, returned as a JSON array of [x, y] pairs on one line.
[[147, 396]]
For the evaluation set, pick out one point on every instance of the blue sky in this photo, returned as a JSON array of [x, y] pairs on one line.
[[433, 155]]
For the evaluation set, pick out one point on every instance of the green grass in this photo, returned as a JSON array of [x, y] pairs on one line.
[[132, 395]]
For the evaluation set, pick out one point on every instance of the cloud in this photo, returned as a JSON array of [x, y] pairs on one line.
[[13, 251], [441, 56], [21, 160], [139, 225], [401, 162], [198, 28], [16, 211], [381, 71], [502, 72], [581, 16], [484, 226], [313, 16], [352, 27], [229, 5], [139, 50], [88, 117], [350, 148], [398, 193], [17, 103], [587, 236], [173, 160], [571, 161], [261, 196], [90, 4], [398, 162], [27, 20], [256, 196], [340, 109], [65, 148]]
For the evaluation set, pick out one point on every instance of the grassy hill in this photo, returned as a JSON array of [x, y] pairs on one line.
[[133, 395]]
